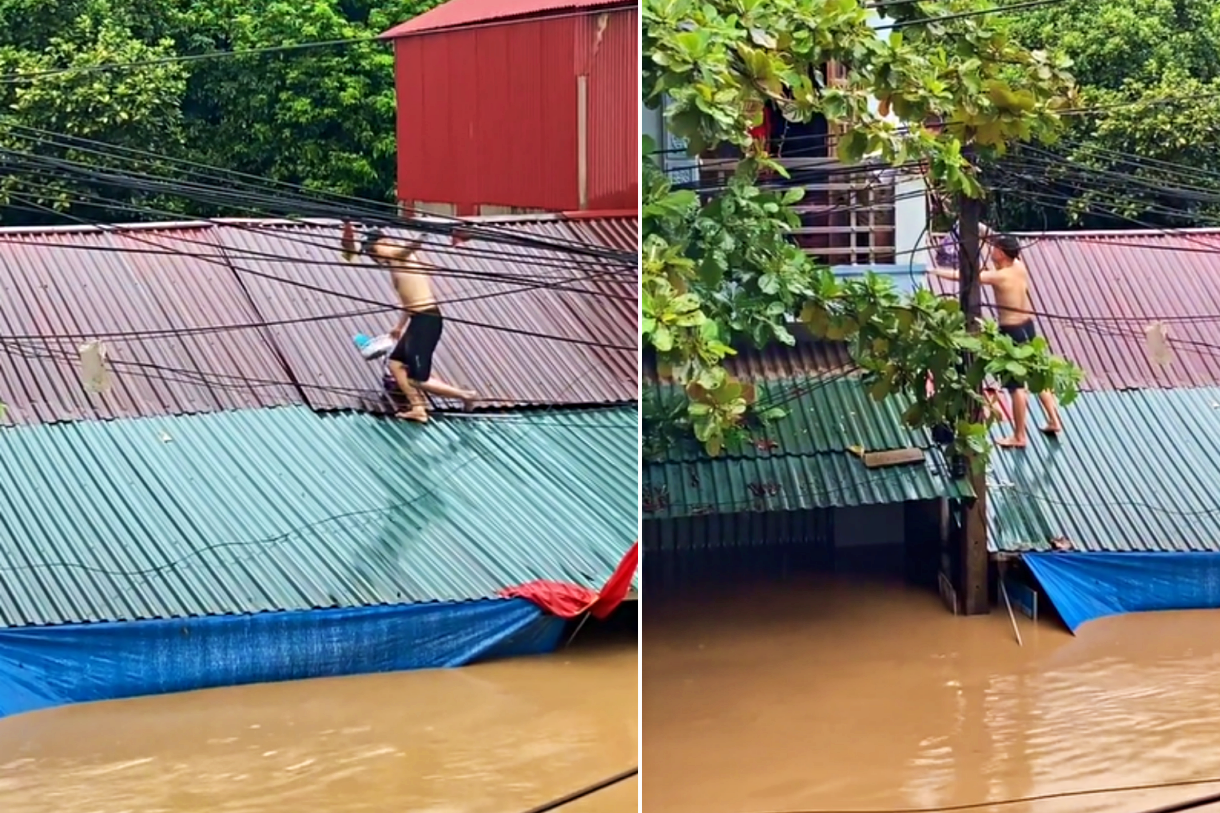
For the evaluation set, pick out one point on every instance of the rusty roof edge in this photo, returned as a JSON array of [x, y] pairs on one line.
[[1113, 233]]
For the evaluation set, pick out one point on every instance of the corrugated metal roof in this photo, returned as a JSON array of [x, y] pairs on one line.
[[786, 483], [1099, 290], [223, 514], [90, 283], [779, 362], [187, 276], [459, 13], [825, 415], [506, 368], [1135, 471], [804, 461]]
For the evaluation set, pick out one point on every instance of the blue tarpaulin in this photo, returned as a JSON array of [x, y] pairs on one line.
[[1085, 586], [51, 666]]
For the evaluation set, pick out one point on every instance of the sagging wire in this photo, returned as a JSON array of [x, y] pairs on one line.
[[169, 186], [441, 224], [222, 262]]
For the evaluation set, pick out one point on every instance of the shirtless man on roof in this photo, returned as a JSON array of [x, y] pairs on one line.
[[1009, 278], [418, 329]]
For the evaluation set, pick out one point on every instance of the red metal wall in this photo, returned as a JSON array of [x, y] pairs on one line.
[[489, 115], [612, 63]]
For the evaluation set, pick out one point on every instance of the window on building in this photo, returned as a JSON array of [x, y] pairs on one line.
[[847, 214]]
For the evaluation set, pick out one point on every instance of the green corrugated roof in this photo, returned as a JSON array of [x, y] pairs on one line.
[[825, 414], [1135, 471], [809, 465], [281, 509]]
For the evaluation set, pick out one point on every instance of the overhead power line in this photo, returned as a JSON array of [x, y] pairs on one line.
[[159, 185], [328, 204], [962, 15], [285, 233], [169, 243], [229, 265]]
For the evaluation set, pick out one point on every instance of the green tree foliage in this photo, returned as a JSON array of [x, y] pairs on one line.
[[323, 118], [1149, 75], [722, 269]]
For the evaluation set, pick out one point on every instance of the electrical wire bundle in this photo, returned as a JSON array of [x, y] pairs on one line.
[[556, 264]]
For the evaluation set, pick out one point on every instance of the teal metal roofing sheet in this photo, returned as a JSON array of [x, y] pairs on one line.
[[281, 509], [804, 461], [1135, 471], [825, 414]]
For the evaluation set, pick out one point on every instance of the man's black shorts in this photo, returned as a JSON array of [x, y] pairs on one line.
[[414, 350], [1023, 333]]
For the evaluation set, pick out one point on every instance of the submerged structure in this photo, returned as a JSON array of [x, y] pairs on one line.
[[233, 505]]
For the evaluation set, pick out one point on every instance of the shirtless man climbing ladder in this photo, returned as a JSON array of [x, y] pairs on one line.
[[419, 327], [1009, 278]]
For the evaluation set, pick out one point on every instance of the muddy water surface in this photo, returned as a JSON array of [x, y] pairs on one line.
[[498, 738], [854, 696]]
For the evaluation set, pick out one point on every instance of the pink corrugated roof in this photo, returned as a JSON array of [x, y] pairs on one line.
[[510, 369], [88, 284], [460, 13], [1096, 292], [78, 284]]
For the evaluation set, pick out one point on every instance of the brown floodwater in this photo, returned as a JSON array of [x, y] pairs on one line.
[[818, 695], [494, 738]]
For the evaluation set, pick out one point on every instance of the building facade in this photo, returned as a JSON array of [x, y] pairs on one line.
[[525, 106]]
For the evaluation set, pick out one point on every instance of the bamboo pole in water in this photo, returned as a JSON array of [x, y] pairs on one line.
[[585, 791]]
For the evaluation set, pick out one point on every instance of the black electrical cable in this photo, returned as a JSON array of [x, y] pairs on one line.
[[961, 15], [222, 261], [1081, 186], [1174, 169], [133, 235], [230, 382], [219, 252], [144, 182], [481, 230], [1087, 321]]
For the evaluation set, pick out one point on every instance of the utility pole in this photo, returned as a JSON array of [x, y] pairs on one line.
[[975, 599]]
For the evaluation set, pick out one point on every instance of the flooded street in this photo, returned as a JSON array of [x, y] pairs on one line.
[[495, 738], [838, 696]]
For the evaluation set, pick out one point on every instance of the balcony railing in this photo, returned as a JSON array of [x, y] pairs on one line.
[[847, 214]]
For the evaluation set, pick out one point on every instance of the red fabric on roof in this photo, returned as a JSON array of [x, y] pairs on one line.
[[458, 13], [569, 600]]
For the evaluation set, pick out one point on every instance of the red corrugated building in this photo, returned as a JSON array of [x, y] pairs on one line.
[[507, 106]]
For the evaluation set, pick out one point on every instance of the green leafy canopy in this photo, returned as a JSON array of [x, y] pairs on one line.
[[721, 268], [322, 118]]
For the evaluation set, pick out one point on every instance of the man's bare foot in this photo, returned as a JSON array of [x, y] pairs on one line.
[[468, 400], [1011, 443], [418, 414], [1052, 431]]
